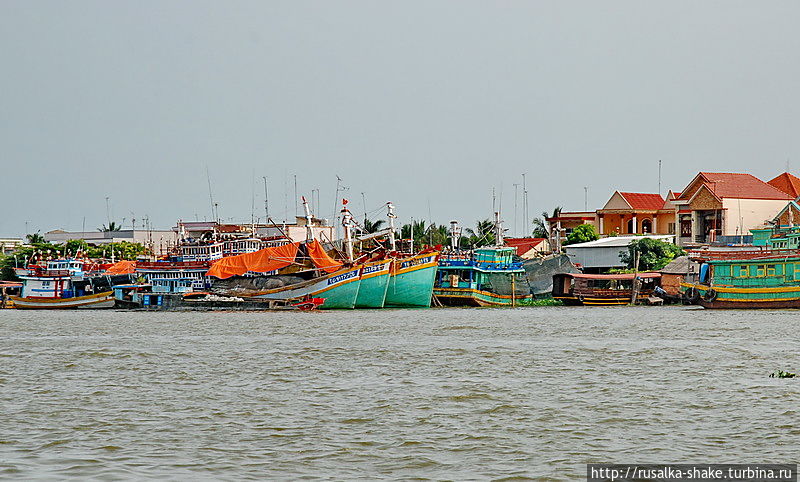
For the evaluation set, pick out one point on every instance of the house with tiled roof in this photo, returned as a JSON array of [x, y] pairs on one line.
[[724, 206], [788, 183], [637, 213], [528, 248]]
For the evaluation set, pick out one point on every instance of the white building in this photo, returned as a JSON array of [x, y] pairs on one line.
[[158, 241]]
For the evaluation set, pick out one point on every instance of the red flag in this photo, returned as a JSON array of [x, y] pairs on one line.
[[344, 202]]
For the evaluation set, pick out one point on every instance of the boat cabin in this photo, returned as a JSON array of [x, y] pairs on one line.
[[602, 289]]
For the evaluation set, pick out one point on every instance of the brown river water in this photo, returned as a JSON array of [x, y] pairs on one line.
[[396, 394]]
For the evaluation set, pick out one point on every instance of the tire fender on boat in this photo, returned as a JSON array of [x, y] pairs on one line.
[[692, 295], [710, 295]]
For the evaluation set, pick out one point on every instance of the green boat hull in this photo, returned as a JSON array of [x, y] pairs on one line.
[[374, 283], [411, 283], [473, 297]]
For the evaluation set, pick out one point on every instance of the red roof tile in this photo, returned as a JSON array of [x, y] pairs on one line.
[[787, 183], [738, 186], [640, 200], [523, 245]]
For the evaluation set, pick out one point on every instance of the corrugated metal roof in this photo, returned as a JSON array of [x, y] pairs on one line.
[[617, 241]]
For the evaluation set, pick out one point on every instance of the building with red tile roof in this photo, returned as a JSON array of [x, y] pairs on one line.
[[528, 247], [717, 205], [787, 183], [636, 213]]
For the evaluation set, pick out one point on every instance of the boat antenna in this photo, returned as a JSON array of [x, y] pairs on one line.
[[309, 218], [390, 214], [266, 198], [210, 195]]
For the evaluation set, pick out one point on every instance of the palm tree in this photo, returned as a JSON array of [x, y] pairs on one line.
[[112, 226], [541, 228], [372, 226], [35, 238], [483, 235]]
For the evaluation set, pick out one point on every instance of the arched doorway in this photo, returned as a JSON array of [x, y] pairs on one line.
[[647, 226], [630, 227]]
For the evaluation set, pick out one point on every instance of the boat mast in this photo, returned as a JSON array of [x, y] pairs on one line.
[[309, 218], [454, 235], [348, 240], [391, 215], [498, 230]]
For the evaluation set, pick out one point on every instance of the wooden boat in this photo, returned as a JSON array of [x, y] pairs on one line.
[[486, 276], [375, 276], [601, 289], [94, 301], [742, 280], [411, 282], [62, 284]]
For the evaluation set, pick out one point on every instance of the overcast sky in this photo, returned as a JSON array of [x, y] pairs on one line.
[[428, 104]]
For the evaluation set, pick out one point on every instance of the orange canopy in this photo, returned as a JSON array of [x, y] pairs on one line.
[[261, 261], [321, 259], [121, 267]]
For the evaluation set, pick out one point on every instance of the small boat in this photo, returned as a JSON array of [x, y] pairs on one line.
[[602, 289], [63, 284], [746, 280], [486, 276]]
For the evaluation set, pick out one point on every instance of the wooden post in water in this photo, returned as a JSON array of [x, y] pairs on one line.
[[636, 284]]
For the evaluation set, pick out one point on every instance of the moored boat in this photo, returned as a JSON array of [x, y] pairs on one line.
[[602, 289], [411, 281], [374, 283], [738, 280], [63, 284], [486, 276]]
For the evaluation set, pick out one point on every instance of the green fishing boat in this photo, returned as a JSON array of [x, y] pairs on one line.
[[411, 281], [375, 276], [758, 279], [486, 276]]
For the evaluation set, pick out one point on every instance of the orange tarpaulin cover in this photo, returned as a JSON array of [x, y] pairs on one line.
[[261, 261], [122, 267], [321, 259]]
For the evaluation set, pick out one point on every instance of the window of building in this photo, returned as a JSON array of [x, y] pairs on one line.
[[670, 228]]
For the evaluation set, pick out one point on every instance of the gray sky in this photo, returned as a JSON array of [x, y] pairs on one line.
[[417, 102]]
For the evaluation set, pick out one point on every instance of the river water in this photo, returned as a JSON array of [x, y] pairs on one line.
[[399, 394]]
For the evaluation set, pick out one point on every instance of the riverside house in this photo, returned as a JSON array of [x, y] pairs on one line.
[[722, 207]]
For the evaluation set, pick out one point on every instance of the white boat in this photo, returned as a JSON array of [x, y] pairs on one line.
[[61, 284]]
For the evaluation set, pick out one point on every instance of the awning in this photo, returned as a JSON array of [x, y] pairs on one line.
[[261, 261], [121, 267], [321, 259]]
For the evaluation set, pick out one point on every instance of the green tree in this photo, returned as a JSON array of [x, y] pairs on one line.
[[35, 238], [482, 235], [653, 254], [541, 228], [112, 226], [582, 234], [373, 226]]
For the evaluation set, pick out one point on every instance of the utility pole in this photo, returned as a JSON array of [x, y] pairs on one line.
[[108, 213], [659, 177], [525, 220], [516, 233], [586, 198]]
